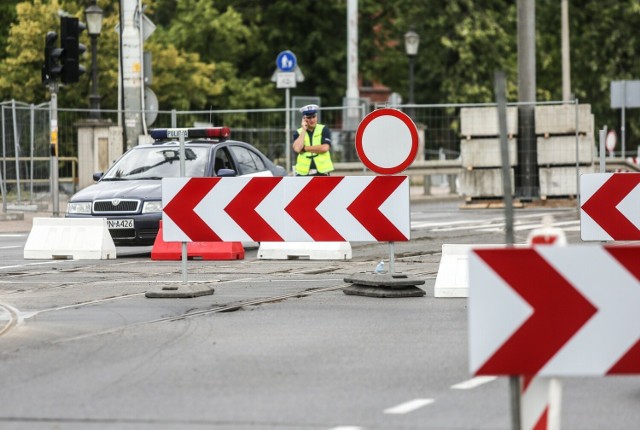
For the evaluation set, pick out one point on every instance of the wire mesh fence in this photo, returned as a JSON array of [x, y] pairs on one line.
[[560, 144], [550, 145]]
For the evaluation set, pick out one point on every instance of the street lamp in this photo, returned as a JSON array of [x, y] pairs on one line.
[[94, 16], [411, 43]]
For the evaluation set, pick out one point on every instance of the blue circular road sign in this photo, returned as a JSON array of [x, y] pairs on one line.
[[286, 61]]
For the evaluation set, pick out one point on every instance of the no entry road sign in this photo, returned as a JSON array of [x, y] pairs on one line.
[[387, 141]]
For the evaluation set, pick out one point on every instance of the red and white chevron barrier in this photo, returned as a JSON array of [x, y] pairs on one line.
[[555, 310], [610, 206], [286, 209]]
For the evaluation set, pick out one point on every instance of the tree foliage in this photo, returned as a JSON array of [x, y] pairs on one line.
[[7, 16], [221, 53]]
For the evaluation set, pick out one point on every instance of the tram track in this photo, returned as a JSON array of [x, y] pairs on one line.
[[14, 315], [13, 320], [218, 309]]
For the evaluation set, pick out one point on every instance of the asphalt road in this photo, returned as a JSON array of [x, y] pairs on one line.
[[277, 346]]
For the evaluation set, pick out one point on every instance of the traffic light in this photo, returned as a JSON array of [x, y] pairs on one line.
[[70, 29], [51, 68]]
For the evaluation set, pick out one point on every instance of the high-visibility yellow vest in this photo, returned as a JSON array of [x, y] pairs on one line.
[[323, 161]]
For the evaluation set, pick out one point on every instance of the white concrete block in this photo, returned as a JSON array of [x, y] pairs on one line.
[[483, 121], [561, 119], [485, 152], [561, 181], [304, 251], [562, 150], [482, 182], [453, 272], [64, 238]]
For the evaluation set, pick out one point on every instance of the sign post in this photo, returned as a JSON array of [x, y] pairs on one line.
[[387, 143], [376, 131], [185, 290], [624, 94], [285, 77], [53, 144]]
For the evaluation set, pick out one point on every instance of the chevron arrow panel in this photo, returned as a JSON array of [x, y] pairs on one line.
[[289, 209], [610, 206], [555, 310]]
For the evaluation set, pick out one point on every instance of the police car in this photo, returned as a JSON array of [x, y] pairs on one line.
[[129, 194]]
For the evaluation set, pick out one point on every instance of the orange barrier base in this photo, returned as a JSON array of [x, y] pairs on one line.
[[196, 250]]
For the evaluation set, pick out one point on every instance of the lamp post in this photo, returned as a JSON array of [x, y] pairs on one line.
[[94, 25], [411, 43]]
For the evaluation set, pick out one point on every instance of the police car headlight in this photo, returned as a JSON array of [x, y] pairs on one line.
[[79, 208], [152, 207]]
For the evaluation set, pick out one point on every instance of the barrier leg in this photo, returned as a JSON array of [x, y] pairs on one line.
[[540, 403]]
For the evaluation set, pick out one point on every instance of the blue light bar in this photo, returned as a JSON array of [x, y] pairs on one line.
[[208, 132]]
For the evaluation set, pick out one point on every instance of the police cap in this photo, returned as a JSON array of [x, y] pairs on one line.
[[309, 110]]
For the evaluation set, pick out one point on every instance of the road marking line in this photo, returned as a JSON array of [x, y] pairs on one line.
[[474, 382], [500, 226], [472, 223], [34, 264], [10, 247], [409, 406], [516, 228], [347, 428], [490, 223]]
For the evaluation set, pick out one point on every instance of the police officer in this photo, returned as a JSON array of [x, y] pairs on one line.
[[312, 142]]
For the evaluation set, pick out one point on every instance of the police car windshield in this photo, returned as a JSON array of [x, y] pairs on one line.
[[155, 162]]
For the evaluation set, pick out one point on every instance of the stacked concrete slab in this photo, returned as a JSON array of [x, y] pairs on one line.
[[556, 140], [481, 176], [556, 127]]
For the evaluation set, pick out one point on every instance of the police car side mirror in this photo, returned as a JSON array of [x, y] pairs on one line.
[[97, 176], [226, 173]]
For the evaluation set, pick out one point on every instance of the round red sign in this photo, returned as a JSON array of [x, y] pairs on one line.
[[387, 141]]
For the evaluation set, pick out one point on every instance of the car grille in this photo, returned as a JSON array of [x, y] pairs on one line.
[[148, 233], [123, 234], [119, 206]]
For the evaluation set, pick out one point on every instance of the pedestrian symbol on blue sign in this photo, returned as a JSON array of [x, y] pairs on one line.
[[286, 61]]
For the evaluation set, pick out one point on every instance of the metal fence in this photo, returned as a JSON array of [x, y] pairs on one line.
[[467, 132]]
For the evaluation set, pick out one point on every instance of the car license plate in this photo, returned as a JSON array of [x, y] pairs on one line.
[[119, 223]]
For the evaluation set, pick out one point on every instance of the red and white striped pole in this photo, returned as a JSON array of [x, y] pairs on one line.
[[540, 403], [541, 398]]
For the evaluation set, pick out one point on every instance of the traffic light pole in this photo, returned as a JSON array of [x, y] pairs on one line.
[[60, 63], [53, 144]]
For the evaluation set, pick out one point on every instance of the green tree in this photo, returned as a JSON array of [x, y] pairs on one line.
[[461, 45], [222, 44], [314, 31], [182, 79], [20, 76], [604, 50], [7, 15], [210, 54], [20, 69]]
